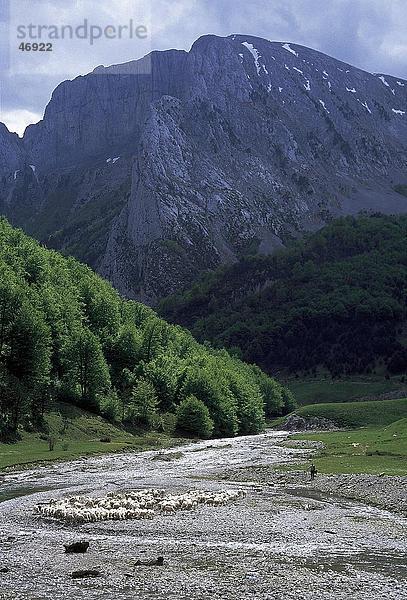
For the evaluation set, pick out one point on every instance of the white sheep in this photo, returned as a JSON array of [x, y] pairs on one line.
[[140, 504]]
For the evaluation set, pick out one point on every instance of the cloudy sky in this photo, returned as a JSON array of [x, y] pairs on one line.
[[370, 34]]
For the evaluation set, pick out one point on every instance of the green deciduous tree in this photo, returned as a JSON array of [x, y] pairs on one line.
[[193, 418], [163, 373], [124, 353], [143, 404], [212, 389], [86, 368], [272, 393], [250, 405]]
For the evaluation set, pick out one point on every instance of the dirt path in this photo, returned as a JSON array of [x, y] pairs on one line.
[[277, 543]]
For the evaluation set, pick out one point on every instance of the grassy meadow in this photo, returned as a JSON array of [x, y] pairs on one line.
[[373, 450], [321, 390], [374, 439], [77, 433], [358, 414]]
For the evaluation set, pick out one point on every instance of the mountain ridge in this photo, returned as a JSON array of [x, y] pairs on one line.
[[154, 178]]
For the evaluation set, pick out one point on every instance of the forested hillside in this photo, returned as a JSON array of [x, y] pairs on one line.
[[66, 334], [335, 299]]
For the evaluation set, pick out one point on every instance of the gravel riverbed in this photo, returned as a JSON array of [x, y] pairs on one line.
[[286, 539]]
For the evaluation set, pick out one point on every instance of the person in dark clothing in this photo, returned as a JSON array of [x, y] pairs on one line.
[[313, 471]]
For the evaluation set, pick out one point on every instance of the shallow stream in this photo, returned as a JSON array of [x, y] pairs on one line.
[[276, 543]]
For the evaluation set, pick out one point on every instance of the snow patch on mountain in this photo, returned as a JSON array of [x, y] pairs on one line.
[[289, 49], [365, 105], [34, 170], [255, 53], [324, 107], [382, 79]]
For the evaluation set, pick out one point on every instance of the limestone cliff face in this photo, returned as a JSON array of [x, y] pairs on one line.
[[11, 152], [158, 169]]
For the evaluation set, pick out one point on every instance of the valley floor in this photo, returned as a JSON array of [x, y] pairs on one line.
[[287, 539]]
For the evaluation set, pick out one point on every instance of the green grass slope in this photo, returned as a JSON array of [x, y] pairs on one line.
[[77, 433], [358, 414], [367, 387], [372, 450]]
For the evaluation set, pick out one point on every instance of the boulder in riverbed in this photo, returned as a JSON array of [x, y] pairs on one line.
[[76, 547], [82, 573], [157, 562]]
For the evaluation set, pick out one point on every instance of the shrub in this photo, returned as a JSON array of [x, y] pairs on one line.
[[193, 417], [111, 407]]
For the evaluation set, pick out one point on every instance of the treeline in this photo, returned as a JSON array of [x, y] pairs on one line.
[[66, 334], [336, 299]]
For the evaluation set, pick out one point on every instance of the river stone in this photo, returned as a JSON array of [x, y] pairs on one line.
[[158, 562], [82, 573], [76, 547]]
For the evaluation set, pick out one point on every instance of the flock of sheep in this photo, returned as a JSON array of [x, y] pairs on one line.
[[143, 504]]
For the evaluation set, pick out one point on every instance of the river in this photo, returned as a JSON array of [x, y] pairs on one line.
[[276, 543]]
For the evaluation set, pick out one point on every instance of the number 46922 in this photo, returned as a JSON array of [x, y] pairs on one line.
[[36, 47]]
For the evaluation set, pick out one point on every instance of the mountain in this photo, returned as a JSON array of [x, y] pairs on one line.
[[161, 168], [67, 335], [11, 151], [337, 299]]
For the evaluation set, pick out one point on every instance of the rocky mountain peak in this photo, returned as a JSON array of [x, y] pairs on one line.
[[157, 169]]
